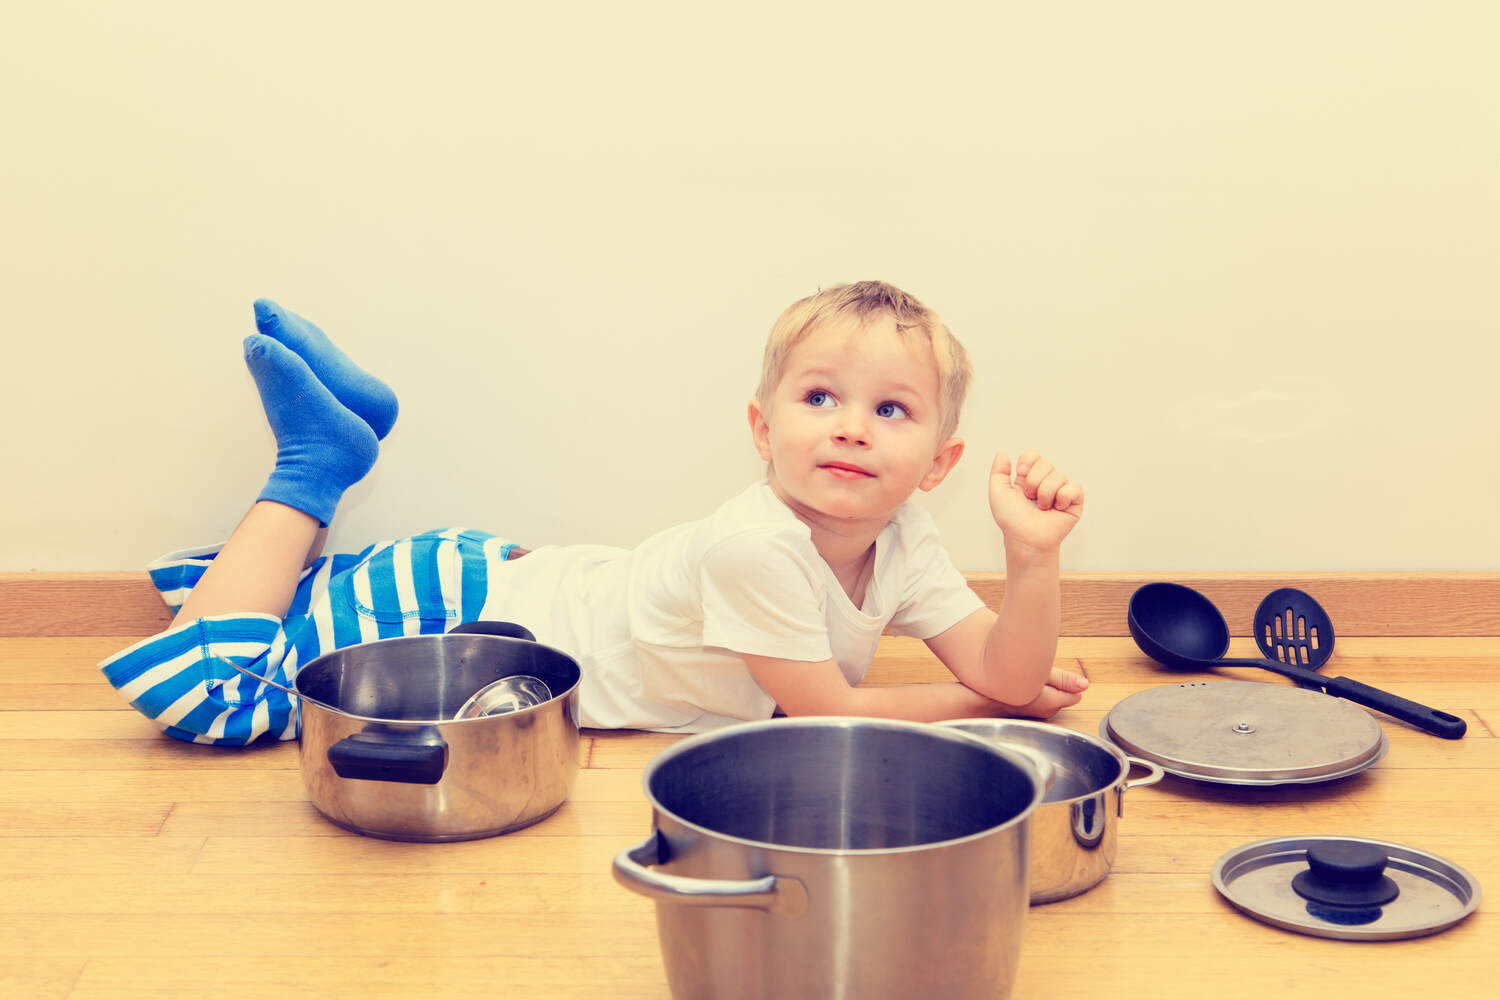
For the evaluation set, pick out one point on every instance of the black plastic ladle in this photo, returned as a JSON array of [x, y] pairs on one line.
[[1179, 627]]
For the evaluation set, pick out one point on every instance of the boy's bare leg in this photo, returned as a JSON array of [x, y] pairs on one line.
[[322, 447], [317, 546], [258, 569]]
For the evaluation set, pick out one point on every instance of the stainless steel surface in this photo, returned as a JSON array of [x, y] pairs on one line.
[[1245, 733], [830, 857], [508, 694], [1074, 830], [1434, 894], [397, 697]]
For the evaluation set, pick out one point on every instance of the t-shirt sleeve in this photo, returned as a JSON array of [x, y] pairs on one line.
[[934, 595], [762, 596]]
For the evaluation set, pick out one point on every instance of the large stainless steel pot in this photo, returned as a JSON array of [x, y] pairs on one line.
[[833, 857], [1074, 830], [382, 754]]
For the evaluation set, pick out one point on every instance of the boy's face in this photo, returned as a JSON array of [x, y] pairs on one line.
[[851, 430]]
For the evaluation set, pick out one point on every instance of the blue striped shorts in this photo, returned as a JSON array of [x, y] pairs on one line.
[[179, 679]]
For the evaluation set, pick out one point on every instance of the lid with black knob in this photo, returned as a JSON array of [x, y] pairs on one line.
[[1346, 887]]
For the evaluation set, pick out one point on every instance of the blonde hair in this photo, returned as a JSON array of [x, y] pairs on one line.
[[864, 301]]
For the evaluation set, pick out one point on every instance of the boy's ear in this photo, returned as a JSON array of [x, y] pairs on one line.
[[760, 431], [948, 454]]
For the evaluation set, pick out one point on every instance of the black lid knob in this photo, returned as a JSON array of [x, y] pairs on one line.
[[1345, 873]]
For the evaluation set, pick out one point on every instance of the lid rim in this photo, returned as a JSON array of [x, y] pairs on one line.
[[1458, 884], [1228, 774]]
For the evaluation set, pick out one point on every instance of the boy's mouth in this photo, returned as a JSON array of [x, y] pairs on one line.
[[845, 470]]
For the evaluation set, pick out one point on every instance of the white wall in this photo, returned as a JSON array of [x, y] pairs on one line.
[[1232, 264]]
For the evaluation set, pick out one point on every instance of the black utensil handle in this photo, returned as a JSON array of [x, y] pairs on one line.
[[1444, 724], [1302, 675], [508, 630]]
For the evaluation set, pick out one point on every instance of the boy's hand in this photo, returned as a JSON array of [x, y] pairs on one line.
[[1064, 689], [1039, 507]]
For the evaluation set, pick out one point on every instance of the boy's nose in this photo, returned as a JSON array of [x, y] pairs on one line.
[[852, 431]]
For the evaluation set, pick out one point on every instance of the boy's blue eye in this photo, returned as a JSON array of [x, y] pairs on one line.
[[891, 411], [819, 398]]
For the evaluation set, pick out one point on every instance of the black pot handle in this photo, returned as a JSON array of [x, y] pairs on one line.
[[508, 629], [379, 754]]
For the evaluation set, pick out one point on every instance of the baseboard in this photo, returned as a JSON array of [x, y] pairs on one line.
[[1365, 604]]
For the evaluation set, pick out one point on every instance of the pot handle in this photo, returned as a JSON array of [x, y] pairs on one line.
[[1153, 775], [779, 894], [508, 629], [380, 754]]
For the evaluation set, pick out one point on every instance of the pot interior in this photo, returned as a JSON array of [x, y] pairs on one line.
[[427, 678], [840, 785], [1084, 765]]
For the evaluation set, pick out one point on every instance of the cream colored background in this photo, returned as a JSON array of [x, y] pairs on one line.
[[1233, 265]]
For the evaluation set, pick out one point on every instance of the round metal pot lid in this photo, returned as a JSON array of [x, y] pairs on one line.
[[1278, 882], [1246, 733]]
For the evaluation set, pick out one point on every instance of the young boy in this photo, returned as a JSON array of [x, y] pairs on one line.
[[775, 600]]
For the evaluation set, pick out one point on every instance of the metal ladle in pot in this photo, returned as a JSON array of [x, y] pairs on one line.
[[508, 694], [1179, 627]]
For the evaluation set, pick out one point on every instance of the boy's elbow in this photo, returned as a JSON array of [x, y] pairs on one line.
[[1015, 691]]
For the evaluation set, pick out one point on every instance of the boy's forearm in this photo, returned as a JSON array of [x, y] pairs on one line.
[[913, 702], [1022, 643]]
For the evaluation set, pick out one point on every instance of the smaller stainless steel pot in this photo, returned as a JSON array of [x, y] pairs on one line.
[[382, 753], [1073, 831]]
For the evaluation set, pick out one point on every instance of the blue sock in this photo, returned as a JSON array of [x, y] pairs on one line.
[[350, 384], [322, 448]]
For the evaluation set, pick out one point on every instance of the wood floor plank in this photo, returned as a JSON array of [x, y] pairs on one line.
[[629, 752], [1238, 959], [89, 857], [237, 856], [1249, 962], [51, 818], [65, 723], [482, 894], [298, 818], [367, 931], [1152, 849], [1238, 943], [94, 697], [152, 753], [57, 659], [105, 786], [1489, 718], [40, 979], [166, 784], [1389, 820], [392, 976]]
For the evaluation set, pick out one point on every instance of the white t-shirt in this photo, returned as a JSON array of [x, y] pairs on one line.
[[659, 629]]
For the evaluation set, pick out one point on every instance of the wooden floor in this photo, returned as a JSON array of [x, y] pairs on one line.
[[136, 866]]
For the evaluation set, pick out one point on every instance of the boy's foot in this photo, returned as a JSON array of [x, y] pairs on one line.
[[350, 384], [322, 447]]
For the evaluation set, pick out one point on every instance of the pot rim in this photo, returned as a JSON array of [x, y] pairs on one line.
[[846, 722], [569, 695], [1119, 755]]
